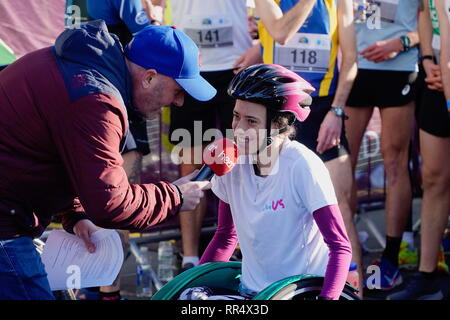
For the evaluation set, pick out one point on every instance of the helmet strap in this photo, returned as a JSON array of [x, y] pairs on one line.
[[269, 138], [267, 142]]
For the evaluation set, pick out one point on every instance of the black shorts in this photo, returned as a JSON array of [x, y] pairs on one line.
[[382, 88], [431, 111], [214, 114], [308, 131]]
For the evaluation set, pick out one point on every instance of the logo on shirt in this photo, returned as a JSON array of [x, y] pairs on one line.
[[274, 206], [141, 18], [406, 90]]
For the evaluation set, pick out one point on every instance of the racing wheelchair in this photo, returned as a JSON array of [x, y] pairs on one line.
[[225, 275]]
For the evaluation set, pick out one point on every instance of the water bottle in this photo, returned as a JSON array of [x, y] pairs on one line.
[[363, 236], [353, 276], [144, 285], [165, 261], [360, 9]]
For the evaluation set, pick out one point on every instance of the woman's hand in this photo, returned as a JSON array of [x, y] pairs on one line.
[[250, 57], [252, 27], [154, 12], [383, 50], [84, 230], [329, 133], [433, 72]]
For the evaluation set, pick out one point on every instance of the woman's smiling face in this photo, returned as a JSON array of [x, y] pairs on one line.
[[249, 126]]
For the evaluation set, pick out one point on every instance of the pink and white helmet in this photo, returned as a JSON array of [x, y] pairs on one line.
[[275, 87]]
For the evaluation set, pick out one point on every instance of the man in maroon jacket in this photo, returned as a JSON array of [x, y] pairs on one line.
[[63, 124]]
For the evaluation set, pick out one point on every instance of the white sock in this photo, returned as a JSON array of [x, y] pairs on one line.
[[408, 237], [190, 259]]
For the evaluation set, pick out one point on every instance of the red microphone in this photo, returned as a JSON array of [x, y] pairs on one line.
[[219, 158]]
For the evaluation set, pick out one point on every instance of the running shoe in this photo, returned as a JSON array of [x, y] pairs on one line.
[[390, 275], [407, 258], [88, 294], [419, 288], [442, 265]]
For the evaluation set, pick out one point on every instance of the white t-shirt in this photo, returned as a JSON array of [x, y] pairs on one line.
[[273, 216], [403, 15], [218, 27]]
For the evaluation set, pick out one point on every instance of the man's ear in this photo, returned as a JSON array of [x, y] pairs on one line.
[[148, 76]]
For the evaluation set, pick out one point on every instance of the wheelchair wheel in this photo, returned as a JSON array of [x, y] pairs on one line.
[[309, 289], [223, 275]]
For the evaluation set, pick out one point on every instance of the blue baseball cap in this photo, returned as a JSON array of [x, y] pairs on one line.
[[172, 53]]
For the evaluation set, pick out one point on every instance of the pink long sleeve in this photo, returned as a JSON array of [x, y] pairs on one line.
[[331, 225], [224, 242]]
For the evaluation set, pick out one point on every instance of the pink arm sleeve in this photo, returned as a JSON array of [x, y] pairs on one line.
[[331, 225], [224, 242]]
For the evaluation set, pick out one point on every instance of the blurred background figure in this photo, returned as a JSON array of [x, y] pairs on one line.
[[220, 28], [434, 129], [387, 42]]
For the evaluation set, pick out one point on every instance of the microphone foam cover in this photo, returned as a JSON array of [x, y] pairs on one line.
[[221, 156]]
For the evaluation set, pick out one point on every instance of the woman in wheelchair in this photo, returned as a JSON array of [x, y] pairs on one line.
[[278, 201]]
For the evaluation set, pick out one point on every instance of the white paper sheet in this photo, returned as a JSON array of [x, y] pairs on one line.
[[70, 266]]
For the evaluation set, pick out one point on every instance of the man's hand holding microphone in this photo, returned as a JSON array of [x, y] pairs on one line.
[[219, 158], [191, 191]]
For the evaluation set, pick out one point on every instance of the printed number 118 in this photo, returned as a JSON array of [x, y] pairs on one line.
[[304, 56]]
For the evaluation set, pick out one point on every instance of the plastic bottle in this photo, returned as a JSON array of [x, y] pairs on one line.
[[353, 277], [363, 236], [144, 285], [165, 261]]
